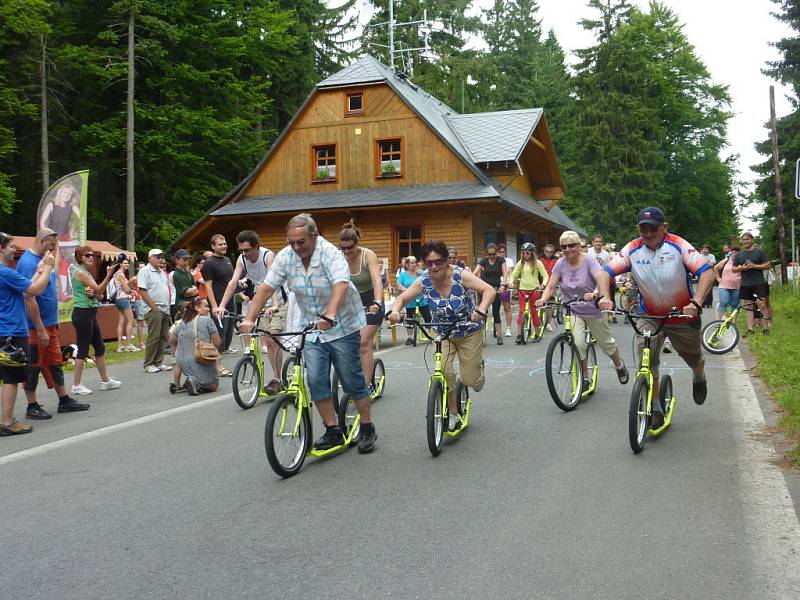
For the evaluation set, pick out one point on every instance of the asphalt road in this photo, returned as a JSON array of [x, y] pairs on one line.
[[156, 496]]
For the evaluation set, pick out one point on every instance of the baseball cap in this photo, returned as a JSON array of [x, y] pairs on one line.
[[44, 232], [182, 254], [651, 216], [153, 252]]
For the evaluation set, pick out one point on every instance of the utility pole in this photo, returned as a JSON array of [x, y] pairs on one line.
[[130, 221], [778, 190]]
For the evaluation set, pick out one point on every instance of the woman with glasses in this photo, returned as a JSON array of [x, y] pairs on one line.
[[407, 277], [576, 272], [493, 270], [529, 276], [445, 288], [365, 273], [86, 293]]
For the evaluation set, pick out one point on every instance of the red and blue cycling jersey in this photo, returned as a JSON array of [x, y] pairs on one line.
[[662, 275]]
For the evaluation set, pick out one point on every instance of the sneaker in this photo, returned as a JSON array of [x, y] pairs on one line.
[[163, 367], [614, 320], [264, 350], [191, 387], [15, 428], [80, 390], [122, 349], [518, 340], [748, 332], [482, 380], [587, 383], [453, 423], [333, 437], [273, 387], [550, 326], [111, 384], [499, 340], [71, 405], [409, 342], [152, 369], [622, 374], [35, 411], [367, 438], [508, 331], [699, 391], [765, 332], [132, 348], [657, 420], [667, 349], [231, 351]]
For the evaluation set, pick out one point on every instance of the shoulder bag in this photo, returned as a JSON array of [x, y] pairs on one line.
[[204, 352]]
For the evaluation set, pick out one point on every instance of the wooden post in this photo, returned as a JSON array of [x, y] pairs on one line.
[[778, 189]]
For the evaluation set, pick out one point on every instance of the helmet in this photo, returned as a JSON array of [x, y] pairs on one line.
[[527, 247], [11, 356]]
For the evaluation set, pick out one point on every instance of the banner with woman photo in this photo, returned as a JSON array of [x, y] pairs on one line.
[[63, 209]]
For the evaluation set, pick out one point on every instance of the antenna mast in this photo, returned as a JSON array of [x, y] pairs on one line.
[[392, 25]]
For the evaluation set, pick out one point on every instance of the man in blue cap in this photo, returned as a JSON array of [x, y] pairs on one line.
[[661, 263]]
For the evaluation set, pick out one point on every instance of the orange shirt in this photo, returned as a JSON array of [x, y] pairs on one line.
[[198, 279]]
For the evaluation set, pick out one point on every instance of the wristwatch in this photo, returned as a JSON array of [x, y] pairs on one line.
[[328, 319]]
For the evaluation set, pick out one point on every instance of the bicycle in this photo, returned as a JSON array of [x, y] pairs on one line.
[[640, 411], [528, 330], [437, 414], [488, 322], [722, 335], [248, 373], [563, 370], [288, 429]]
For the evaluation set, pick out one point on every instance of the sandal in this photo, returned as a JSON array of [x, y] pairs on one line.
[[274, 387], [622, 374], [223, 372]]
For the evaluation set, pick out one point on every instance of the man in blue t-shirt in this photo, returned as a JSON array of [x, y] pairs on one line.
[[43, 337], [14, 288]]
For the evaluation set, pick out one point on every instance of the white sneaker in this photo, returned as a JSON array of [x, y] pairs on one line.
[[164, 367], [132, 348], [508, 331], [230, 351], [152, 369], [111, 384], [549, 327], [80, 390], [264, 350], [123, 349]]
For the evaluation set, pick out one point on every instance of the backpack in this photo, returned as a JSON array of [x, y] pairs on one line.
[[112, 289]]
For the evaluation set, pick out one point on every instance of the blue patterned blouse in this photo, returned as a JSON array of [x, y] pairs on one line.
[[458, 304]]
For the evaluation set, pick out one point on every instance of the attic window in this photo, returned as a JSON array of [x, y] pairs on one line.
[[324, 163], [390, 158], [354, 104]]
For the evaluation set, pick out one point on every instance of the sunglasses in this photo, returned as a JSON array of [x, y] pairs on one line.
[[492, 253], [346, 248], [296, 243], [569, 246], [437, 262], [526, 251]]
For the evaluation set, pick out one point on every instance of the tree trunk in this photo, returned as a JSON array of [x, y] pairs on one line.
[[778, 188], [45, 144], [130, 240]]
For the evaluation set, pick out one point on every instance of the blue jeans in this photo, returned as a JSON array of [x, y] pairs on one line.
[[345, 355], [727, 298]]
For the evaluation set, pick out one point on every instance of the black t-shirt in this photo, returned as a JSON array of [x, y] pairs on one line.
[[219, 271], [492, 273], [756, 256]]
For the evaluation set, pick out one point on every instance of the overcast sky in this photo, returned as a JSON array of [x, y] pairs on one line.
[[731, 37]]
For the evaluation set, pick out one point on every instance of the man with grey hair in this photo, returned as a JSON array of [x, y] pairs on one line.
[[318, 274]]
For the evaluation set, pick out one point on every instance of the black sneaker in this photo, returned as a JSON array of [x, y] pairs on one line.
[[72, 405], [367, 438], [333, 437], [657, 420], [499, 340], [667, 350], [518, 340], [35, 411], [191, 387], [699, 391], [409, 342], [622, 374]]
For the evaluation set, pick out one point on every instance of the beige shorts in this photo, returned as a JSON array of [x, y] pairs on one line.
[[685, 340], [600, 331], [277, 322], [469, 350]]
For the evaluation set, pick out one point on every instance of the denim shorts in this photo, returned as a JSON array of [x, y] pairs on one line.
[[123, 303], [344, 353], [138, 309], [728, 298]]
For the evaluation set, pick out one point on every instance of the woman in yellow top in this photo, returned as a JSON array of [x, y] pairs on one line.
[[529, 277]]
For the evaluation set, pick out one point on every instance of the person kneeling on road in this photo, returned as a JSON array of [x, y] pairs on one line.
[[195, 323]]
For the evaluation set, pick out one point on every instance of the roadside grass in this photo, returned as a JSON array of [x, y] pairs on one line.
[[112, 357], [779, 361]]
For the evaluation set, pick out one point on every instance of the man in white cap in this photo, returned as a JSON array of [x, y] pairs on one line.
[[157, 294], [43, 331]]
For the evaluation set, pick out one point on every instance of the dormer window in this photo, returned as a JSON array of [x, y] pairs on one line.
[[324, 163], [354, 104]]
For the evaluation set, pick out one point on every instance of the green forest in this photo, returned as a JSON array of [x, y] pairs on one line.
[[636, 121]]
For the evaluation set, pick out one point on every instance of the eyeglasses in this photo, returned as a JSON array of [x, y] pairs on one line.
[[526, 251], [296, 243], [346, 248], [244, 250], [437, 262], [569, 246], [491, 253]]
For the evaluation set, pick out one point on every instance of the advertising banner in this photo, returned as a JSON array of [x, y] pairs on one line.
[[63, 209]]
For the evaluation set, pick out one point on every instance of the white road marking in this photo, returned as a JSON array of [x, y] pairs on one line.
[[770, 518]]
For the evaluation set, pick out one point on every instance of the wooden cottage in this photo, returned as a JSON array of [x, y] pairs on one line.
[[370, 145]]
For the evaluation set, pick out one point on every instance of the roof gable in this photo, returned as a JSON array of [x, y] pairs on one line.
[[496, 136]]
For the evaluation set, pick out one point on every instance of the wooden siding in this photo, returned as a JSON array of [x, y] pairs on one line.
[[426, 159]]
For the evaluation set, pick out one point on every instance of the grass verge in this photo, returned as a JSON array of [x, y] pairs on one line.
[[779, 361], [112, 357]]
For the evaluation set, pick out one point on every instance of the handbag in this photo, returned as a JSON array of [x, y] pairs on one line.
[[769, 276], [204, 352]]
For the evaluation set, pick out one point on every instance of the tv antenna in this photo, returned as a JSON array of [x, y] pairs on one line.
[[392, 25]]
